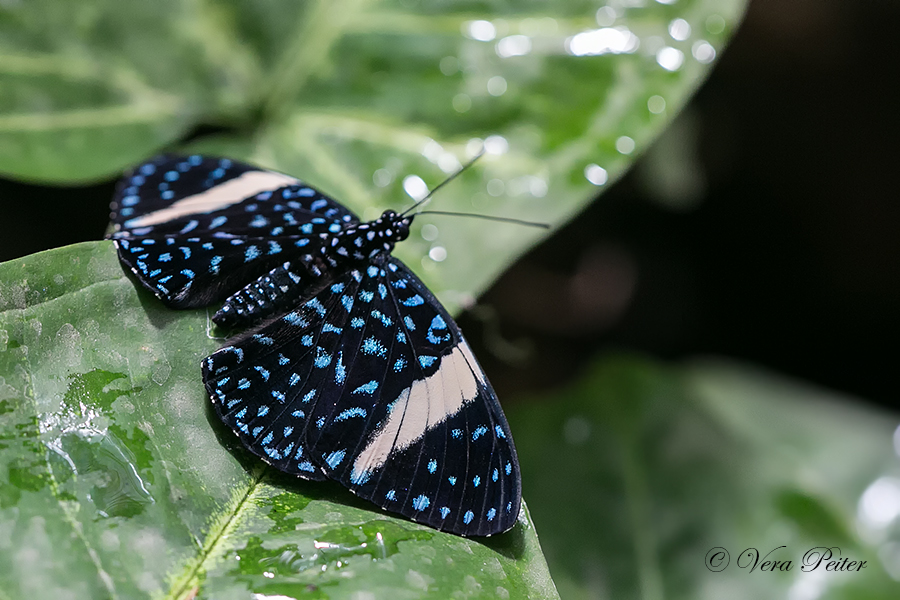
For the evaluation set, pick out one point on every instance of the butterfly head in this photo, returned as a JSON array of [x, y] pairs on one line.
[[374, 237], [397, 225], [390, 228]]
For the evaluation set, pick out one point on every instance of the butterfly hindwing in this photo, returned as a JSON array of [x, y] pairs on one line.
[[264, 385], [373, 384], [195, 230], [267, 385]]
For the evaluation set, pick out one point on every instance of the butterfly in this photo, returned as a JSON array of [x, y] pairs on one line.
[[348, 367]]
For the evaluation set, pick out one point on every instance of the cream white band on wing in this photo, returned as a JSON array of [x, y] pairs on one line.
[[423, 406], [228, 193]]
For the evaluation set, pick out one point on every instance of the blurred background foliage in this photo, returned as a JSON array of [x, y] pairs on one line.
[[761, 226]]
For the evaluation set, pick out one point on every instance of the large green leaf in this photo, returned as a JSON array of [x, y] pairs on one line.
[[356, 96], [637, 472], [116, 481]]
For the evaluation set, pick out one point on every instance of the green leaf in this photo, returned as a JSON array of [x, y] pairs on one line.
[[657, 465], [355, 96], [115, 484], [116, 481]]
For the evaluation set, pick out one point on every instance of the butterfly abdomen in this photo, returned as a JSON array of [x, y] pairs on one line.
[[273, 293]]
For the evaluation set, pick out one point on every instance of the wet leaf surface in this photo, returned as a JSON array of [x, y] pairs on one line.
[[118, 481], [357, 97]]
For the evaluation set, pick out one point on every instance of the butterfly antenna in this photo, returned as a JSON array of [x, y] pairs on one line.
[[443, 183], [487, 217]]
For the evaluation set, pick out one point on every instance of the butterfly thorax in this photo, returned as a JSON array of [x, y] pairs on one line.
[[362, 242], [303, 277]]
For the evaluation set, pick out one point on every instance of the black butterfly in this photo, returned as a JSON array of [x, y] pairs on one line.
[[351, 369]]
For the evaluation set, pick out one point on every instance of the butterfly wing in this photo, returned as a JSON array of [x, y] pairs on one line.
[[266, 383], [194, 230], [437, 448], [374, 381]]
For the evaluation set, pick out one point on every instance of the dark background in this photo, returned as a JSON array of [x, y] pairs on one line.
[[763, 225]]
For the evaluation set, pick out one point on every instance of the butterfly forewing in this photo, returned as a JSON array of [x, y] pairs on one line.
[[195, 230], [438, 454]]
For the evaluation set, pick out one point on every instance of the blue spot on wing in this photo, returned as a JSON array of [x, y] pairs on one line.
[[323, 358], [340, 372], [335, 458], [350, 413], [413, 301], [360, 478], [373, 346], [367, 388]]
